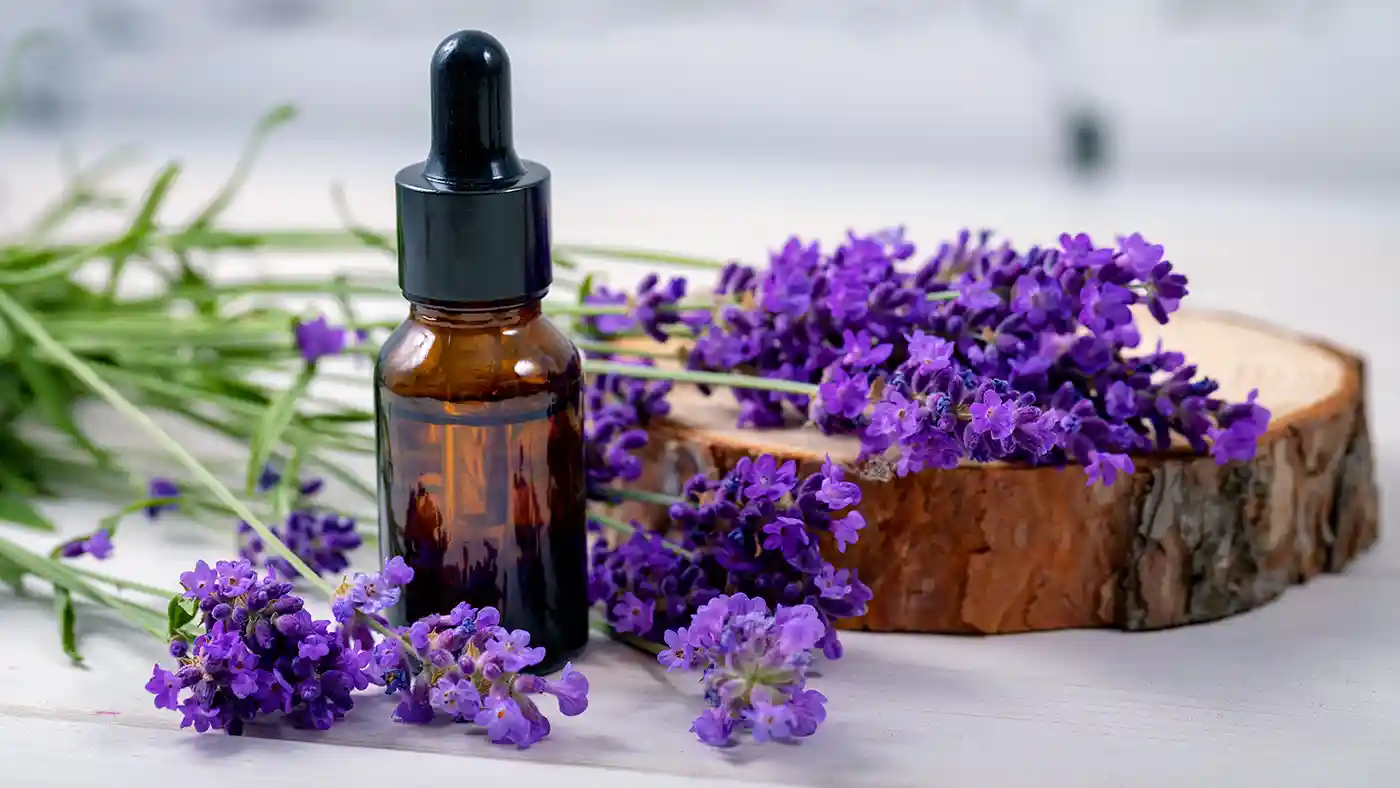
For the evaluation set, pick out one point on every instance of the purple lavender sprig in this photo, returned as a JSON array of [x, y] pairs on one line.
[[260, 652], [317, 338], [321, 538], [97, 544], [645, 586], [651, 309], [932, 414], [756, 531], [754, 667], [164, 493], [618, 411], [1051, 332], [468, 668]]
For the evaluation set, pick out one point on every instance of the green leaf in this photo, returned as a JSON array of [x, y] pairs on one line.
[[640, 256], [370, 238], [63, 576], [55, 399], [145, 221], [345, 477], [585, 288], [111, 521], [7, 339], [19, 511], [67, 623], [12, 574], [285, 493], [81, 192], [143, 225], [274, 422], [181, 611], [53, 268], [277, 116]]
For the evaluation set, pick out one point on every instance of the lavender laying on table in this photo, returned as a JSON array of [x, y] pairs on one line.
[[754, 665], [260, 652]]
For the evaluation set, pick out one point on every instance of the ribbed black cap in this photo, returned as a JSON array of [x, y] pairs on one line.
[[473, 218]]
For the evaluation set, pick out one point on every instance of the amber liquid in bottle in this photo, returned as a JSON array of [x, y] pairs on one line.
[[481, 486]]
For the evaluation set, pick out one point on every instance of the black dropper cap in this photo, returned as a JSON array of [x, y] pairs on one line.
[[473, 218]]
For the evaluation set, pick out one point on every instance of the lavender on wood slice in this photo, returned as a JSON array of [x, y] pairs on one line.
[[904, 350]]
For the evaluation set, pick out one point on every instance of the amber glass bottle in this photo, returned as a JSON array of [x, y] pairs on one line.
[[478, 395]]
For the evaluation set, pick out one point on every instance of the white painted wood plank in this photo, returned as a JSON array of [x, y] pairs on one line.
[[42, 751]]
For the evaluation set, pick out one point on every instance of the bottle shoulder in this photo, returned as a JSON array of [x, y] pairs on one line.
[[463, 362]]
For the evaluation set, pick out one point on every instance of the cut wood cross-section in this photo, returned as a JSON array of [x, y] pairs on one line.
[[997, 548]]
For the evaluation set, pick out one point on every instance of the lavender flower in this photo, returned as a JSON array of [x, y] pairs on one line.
[[755, 669], [317, 339], [631, 614], [652, 308], [98, 544], [618, 411], [370, 593], [161, 487], [1033, 360], [465, 666], [260, 653], [644, 586], [321, 538], [755, 531]]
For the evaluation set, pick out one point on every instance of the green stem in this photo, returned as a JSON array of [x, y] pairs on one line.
[[66, 577], [702, 378], [166, 387], [623, 494], [589, 310], [26, 323], [287, 287], [204, 239], [613, 349], [627, 530], [117, 582], [641, 256]]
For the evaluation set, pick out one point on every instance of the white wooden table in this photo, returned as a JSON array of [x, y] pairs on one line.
[[1304, 692]]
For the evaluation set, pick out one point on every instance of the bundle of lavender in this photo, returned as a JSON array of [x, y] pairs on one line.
[[976, 352]]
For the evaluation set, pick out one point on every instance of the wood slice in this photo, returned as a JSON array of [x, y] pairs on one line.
[[996, 548]]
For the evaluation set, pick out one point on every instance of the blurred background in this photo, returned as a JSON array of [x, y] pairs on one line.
[[1252, 137], [1286, 91]]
